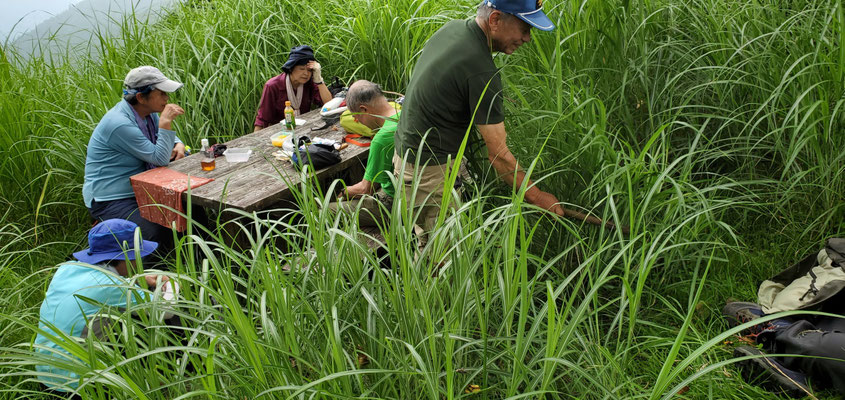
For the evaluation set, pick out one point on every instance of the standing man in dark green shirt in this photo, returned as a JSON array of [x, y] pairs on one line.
[[456, 85]]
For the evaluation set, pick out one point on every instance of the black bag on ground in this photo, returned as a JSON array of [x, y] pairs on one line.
[[318, 156]]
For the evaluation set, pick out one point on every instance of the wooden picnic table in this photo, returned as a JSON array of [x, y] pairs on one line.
[[263, 181]]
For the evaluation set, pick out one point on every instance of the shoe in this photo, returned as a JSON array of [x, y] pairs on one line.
[[740, 312], [770, 374]]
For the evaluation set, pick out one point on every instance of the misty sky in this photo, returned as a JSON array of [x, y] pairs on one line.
[[32, 11]]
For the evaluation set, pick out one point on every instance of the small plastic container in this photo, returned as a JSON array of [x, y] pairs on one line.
[[237, 154], [169, 290], [287, 145], [278, 139]]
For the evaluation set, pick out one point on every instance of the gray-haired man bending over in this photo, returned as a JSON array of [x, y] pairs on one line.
[[370, 107]]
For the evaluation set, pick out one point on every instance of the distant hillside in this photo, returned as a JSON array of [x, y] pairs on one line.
[[76, 31]]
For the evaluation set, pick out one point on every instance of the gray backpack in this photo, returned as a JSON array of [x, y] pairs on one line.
[[808, 283]]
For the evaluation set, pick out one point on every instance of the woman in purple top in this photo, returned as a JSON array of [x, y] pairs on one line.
[[301, 84]]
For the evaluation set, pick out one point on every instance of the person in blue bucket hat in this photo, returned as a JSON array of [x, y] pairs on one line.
[[456, 88], [301, 82], [81, 289]]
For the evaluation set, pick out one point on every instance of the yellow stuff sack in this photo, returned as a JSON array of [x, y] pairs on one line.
[[347, 122]]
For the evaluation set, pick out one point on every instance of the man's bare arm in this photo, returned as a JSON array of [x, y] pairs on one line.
[[506, 166]]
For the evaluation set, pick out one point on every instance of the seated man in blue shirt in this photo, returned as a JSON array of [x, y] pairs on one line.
[[81, 290], [134, 136]]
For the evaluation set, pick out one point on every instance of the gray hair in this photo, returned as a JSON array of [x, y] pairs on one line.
[[363, 93], [485, 10]]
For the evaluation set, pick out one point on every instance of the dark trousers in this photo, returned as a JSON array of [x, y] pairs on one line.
[[128, 209], [823, 337]]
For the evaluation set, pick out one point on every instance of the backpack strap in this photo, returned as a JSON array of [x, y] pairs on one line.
[[835, 248], [813, 289], [350, 138]]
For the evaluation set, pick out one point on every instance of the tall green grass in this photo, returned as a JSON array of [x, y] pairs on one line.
[[493, 314], [712, 128]]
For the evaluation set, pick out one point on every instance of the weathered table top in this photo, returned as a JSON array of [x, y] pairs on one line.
[[262, 181]]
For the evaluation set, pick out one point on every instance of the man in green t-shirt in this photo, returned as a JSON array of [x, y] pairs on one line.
[[367, 102], [455, 85]]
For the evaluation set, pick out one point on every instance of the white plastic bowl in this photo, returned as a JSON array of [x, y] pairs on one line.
[[237, 154], [279, 138]]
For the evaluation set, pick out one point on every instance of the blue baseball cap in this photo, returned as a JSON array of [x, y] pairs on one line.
[[106, 239], [530, 11]]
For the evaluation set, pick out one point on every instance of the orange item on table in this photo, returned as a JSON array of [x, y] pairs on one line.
[[163, 186]]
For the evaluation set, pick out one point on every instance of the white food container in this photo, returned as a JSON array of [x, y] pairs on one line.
[[237, 154]]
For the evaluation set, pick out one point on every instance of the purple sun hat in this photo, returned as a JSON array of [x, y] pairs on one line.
[[106, 242]]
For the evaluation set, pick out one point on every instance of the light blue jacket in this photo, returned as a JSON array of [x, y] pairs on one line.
[[77, 292], [117, 150]]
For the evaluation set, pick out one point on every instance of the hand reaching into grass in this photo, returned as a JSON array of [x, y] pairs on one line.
[[593, 220], [549, 202], [152, 280], [546, 201]]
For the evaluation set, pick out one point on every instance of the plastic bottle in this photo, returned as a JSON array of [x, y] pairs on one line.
[[290, 121], [290, 117], [207, 162]]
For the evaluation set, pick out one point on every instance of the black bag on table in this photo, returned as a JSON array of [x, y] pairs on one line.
[[336, 86], [318, 156]]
